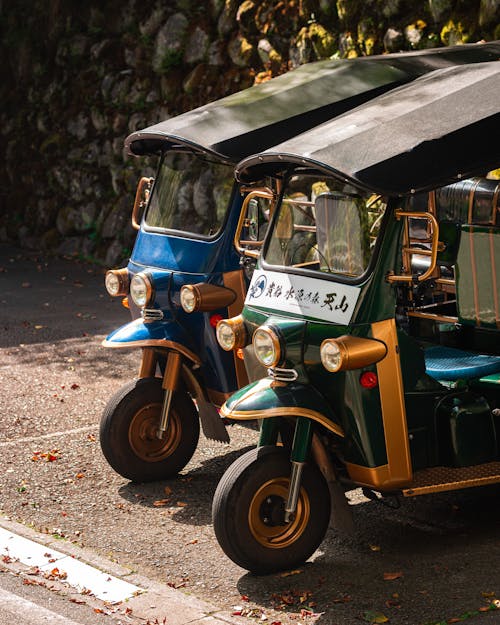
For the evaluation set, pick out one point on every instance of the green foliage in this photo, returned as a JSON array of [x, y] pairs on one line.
[[173, 58]]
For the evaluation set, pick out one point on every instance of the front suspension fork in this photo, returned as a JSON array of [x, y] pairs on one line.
[[169, 385], [300, 449]]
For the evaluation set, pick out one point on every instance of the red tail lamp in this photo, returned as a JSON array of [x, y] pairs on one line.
[[214, 320], [368, 379]]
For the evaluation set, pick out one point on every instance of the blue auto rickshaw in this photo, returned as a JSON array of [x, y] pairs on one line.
[[185, 272]]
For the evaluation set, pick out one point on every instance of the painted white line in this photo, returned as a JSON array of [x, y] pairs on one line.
[[28, 613], [81, 576], [34, 439]]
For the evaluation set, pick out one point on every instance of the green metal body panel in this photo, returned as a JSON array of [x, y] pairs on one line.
[[438, 431], [261, 397], [302, 440], [269, 430], [348, 404]]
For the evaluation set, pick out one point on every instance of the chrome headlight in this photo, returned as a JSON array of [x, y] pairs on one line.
[[188, 298], [267, 347], [351, 352], [116, 282], [203, 297], [331, 356], [141, 289], [231, 333]]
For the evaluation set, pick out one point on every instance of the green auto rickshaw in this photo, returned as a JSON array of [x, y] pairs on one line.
[[375, 310]]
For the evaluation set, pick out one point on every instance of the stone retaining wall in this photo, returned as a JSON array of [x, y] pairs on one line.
[[79, 77]]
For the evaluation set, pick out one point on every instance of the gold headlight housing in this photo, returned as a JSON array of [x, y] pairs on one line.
[[231, 333], [117, 282], [267, 346], [203, 297], [141, 289], [350, 352]]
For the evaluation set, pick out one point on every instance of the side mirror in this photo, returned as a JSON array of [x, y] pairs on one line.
[[252, 220], [255, 212], [141, 200]]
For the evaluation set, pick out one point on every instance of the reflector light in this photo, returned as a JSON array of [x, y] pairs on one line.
[[368, 379], [214, 320]]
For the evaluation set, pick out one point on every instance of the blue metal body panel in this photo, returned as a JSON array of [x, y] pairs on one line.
[[172, 261], [178, 252]]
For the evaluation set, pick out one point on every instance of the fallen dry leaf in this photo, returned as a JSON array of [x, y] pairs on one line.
[[345, 599], [288, 573], [375, 617], [161, 502], [390, 576]]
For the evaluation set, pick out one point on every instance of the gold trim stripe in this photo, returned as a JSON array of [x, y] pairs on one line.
[[393, 406], [235, 281], [376, 477], [282, 411], [155, 343]]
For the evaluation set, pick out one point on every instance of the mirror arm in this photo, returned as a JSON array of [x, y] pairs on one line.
[[263, 192], [407, 249], [139, 203]]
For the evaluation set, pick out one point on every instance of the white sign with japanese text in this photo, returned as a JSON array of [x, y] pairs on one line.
[[308, 297]]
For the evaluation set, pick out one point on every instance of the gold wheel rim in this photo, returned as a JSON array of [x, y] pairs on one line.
[[142, 434], [277, 535]]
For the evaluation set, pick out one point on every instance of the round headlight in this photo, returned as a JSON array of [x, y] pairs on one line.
[[188, 298], [226, 336], [141, 289], [331, 356], [116, 282], [266, 345], [231, 333]]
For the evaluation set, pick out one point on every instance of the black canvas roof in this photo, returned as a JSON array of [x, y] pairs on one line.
[[269, 113], [437, 129]]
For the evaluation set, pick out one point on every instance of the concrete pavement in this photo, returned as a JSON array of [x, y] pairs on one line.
[[153, 603]]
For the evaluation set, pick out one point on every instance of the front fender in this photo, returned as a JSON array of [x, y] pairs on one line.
[[157, 334], [268, 398]]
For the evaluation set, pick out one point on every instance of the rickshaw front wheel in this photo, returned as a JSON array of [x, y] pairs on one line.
[[248, 512], [128, 432]]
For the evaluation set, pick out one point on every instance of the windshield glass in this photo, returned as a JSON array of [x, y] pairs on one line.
[[191, 194], [325, 226]]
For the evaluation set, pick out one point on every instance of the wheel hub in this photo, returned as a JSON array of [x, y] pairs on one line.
[[143, 438], [266, 515]]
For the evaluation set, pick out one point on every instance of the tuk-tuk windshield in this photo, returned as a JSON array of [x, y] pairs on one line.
[[190, 195], [325, 226]]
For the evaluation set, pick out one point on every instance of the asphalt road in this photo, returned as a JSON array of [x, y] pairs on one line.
[[432, 560]]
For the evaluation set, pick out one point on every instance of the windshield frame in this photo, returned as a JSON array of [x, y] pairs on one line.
[[322, 275], [185, 234]]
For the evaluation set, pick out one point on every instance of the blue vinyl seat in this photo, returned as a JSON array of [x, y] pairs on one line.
[[450, 364]]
